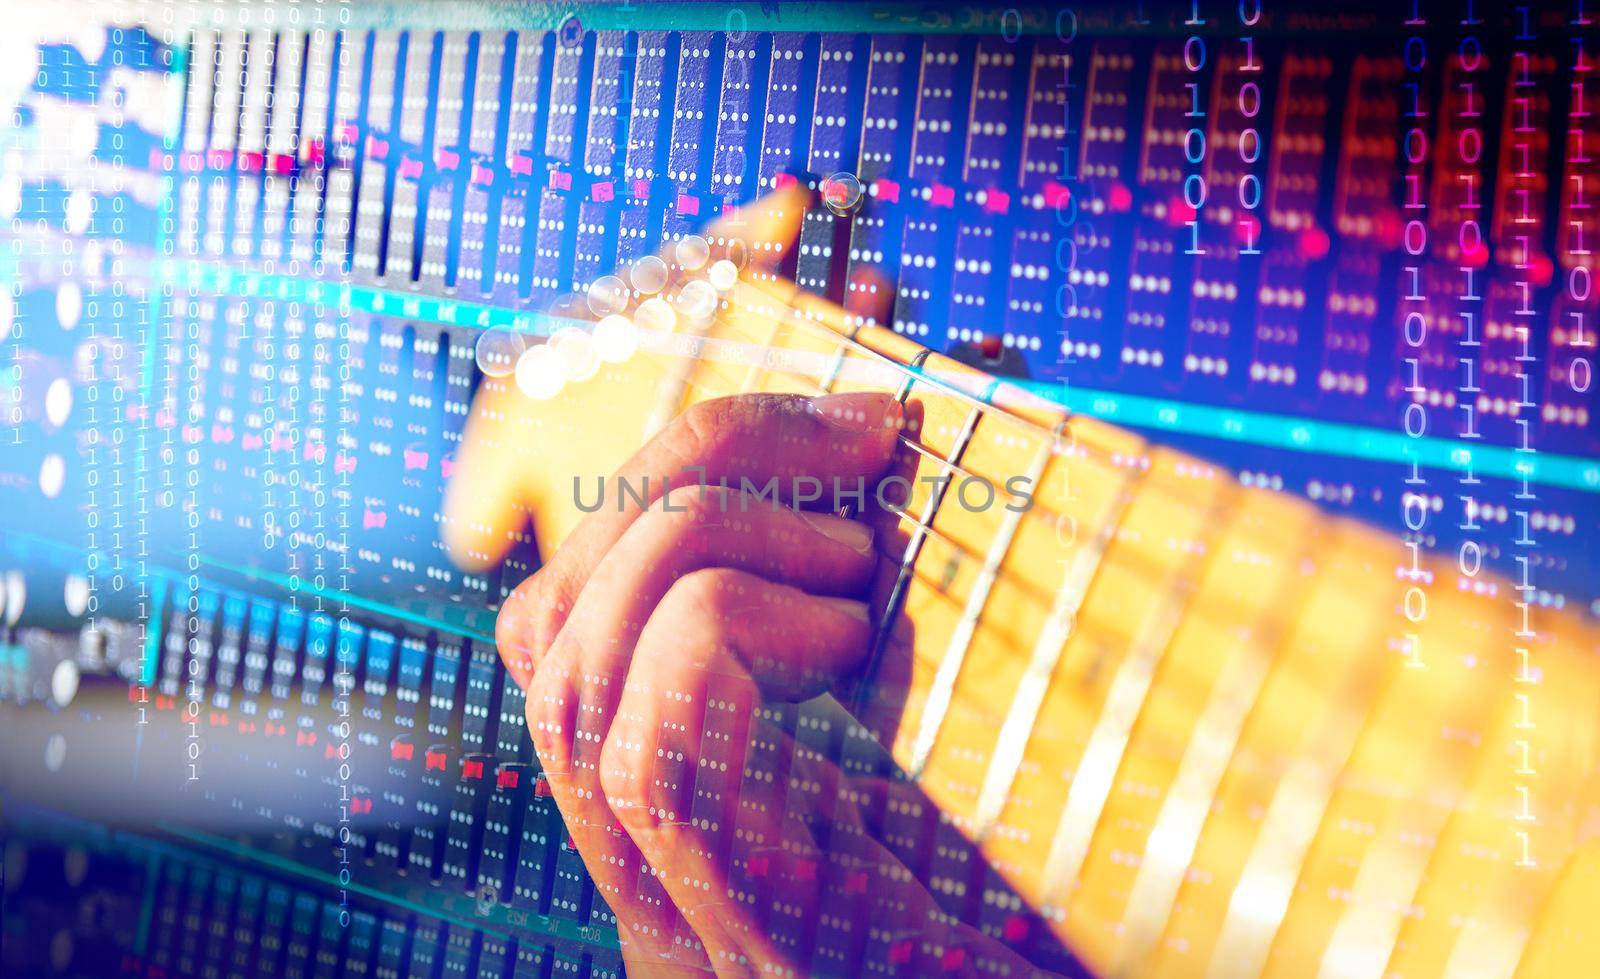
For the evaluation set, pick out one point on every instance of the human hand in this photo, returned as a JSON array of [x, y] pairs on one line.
[[719, 838], [658, 648]]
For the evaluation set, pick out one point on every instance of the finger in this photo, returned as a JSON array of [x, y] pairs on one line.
[[671, 765], [814, 550], [483, 499], [766, 228], [646, 928], [749, 439], [846, 438], [685, 533], [498, 455], [572, 695], [869, 297], [677, 769]]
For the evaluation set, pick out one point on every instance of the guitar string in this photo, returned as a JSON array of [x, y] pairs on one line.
[[837, 359], [1012, 741], [1043, 662], [923, 524], [1179, 596], [967, 553], [910, 565], [940, 694], [952, 462], [911, 374], [915, 373]]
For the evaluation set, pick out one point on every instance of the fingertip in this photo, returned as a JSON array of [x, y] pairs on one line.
[[850, 608], [859, 429], [870, 296], [869, 413], [769, 225], [510, 639], [853, 534], [470, 550], [528, 622]]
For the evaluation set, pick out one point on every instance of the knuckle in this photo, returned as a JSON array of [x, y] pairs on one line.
[[625, 778], [689, 506], [696, 620], [512, 623], [529, 620], [735, 429], [682, 516], [547, 712], [702, 427], [708, 598], [696, 434]]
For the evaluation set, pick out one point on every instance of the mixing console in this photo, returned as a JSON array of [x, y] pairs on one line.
[[259, 259]]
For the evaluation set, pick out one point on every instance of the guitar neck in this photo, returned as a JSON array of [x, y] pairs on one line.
[[1199, 726], [1152, 693]]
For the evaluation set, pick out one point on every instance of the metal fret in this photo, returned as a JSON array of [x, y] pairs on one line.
[[909, 376], [904, 390], [831, 376], [940, 693], [897, 594], [1059, 625], [956, 469], [1491, 946], [1261, 895], [1169, 848], [1391, 871], [911, 369], [1104, 750], [717, 349], [835, 363], [1266, 883]]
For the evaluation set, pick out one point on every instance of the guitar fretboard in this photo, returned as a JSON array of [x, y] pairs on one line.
[[1183, 717]]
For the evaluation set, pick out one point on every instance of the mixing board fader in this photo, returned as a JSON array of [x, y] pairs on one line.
[[252, 382]]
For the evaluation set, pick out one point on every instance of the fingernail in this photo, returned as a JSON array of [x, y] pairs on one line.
[[852, 534], [849, 606], [858, 411]]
